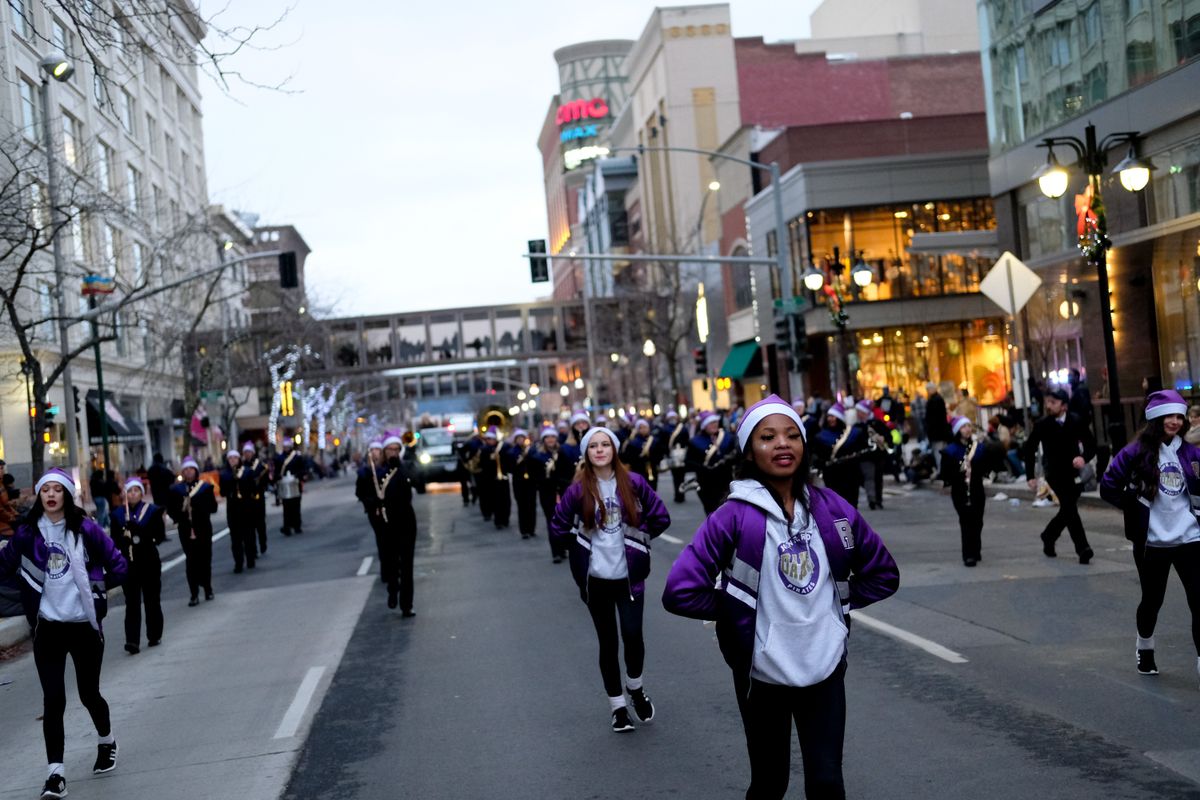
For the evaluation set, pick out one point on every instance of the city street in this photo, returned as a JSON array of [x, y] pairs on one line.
[[1006, 680]]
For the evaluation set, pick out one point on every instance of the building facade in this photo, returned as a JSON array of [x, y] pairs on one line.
[[126, 132], [1121, 65]]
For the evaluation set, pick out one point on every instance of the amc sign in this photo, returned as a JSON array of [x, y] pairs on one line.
[[576, 110]]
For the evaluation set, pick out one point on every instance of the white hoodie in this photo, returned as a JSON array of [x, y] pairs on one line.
[[799, 635]]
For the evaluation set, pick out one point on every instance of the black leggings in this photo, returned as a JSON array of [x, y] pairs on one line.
[[602, 597], [820, 714], [1154, 567], [52, 643]]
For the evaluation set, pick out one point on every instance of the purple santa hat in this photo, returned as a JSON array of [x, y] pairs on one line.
[[59, 476], [837, 411], [773, 404], [708, 419], [957, 423], [865, 407], [1164, 403], [189, 462]]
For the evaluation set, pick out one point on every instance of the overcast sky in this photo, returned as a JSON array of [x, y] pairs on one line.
[[405, 151]]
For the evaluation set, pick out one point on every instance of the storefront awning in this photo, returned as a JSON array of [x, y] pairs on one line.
[[742, 357], [121, 429]]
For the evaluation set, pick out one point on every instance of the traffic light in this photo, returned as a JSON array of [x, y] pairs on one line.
[[700, 357], [539, 268], [289, 276], [800, 355], [783, 336], [75, 391]]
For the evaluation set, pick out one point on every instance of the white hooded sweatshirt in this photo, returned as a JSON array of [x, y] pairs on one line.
[[799, 634]]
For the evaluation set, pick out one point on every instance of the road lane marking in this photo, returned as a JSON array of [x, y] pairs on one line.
[[179, 559], [933, 648], [666, 537], [365, 567], [304, 695]]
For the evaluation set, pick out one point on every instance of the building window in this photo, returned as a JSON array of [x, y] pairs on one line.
[[31, 112], [152, 136], [1095, 85], [46, 303], [22, 18], [60, 37], [133, 188], [1134, 7], [119, 332], [104, 166], [1091, 25], [157, 197], [78, 239], [99, 90], [72, 135], [110, 249], [128, 111], [138, 255], [169, 146], [1186, 35], [1139, 62], [39, 206]]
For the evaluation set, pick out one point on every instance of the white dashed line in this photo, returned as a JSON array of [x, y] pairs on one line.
[[666, 537], [933, 648], [304, 695], [179, 559], [365, 567]]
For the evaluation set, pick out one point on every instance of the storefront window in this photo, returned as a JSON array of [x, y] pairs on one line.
[[1175, 185], [1177, 297]]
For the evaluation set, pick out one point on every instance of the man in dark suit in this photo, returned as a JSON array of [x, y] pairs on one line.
[[1067, 445]]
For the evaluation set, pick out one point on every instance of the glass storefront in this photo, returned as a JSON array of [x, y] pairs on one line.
[[1177, 298], [1048, 63], [971, 355], [883, 236]]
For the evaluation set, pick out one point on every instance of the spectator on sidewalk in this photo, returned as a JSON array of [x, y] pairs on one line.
[[161, 477], [103, 487], [937, 425], [8, 512], [1193, 431]]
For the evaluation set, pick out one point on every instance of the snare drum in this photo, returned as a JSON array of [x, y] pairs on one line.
[[288, 488]]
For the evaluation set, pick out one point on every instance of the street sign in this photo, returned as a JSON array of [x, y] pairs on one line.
[[794, 305], [1009, 283], [212, 395]]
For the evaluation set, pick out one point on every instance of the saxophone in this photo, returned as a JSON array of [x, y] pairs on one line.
[[550, 462], [473, 462], [965, 467], [646, 457], [496, 458]]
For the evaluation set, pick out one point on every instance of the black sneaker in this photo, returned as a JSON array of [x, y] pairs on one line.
[[393, 598], [56, 786], [1086, 556], [1145, 662], [642, 706], [106, 758], [621, 721], [132, 649]]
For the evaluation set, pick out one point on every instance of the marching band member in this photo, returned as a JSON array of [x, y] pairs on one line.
[[580, 423], [368, 489], [400, 528], [290, 465], [677, 437], [711, 454], [557, 462], [640, 453], [493, 483], [238, 511], [138, 530], [523, 468], [878, 448], [192, 504], [256, 493], [836, 452], [472, 454], [964, 463]]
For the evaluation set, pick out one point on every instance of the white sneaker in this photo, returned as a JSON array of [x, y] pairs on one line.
[[1000, 496], [1042, 503]]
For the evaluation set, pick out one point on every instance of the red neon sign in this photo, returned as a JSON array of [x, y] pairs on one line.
[[576, 110]]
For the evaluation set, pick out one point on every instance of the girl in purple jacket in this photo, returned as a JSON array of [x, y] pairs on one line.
[[66, 560], [779, 566], [608, 516], [1155, 480]]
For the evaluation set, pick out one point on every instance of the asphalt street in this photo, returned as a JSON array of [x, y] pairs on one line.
[[1007, 680]]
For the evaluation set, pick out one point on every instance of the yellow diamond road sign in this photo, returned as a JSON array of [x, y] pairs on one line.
[[1009, 283]]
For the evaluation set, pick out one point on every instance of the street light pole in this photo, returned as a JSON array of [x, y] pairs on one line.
[[1134, 173], [57, 222]]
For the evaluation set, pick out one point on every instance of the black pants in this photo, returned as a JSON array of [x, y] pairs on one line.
[[386, 564], [525, 493], [198, 552], [143, 585], [603, 597], [260, 523], [678, 476], [501, 501], [970, 526], [52, 643], [1067, 517], [464, 484], [548, 497], [485, 493], [871, 471], [398, 546], [820, 715], [844, 480], [1154, 567], [291, 515], [241, 536]]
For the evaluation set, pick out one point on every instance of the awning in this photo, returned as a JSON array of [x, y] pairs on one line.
[[121, 429], [741, 361]]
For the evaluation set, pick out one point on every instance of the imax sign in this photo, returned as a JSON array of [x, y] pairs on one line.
[[582, 132]]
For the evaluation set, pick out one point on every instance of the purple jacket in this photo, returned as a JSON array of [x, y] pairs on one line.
[[27, 553], [1120, 487], [568, 522], [729, 545]]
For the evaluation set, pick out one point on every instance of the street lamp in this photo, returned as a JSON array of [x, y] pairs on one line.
[[564, 390], [648, 350], [861, 274], [57, 67], [813, 278], [579, 383], [1134, 173]]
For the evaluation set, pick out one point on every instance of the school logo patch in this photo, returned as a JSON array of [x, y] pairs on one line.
[[842, 526], [798, 566], [1170, 478], [58, 562]]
